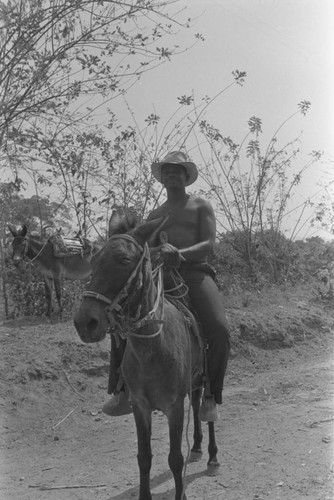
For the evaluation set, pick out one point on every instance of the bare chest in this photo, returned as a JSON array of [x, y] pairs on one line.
[[182, 226]]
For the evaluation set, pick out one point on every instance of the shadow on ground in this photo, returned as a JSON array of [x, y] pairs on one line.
[[158, 481]]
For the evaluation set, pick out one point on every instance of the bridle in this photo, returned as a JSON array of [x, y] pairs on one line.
[[26, 247], [114, 309]]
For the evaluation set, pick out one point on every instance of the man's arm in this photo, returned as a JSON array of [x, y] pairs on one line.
[[207, 235]]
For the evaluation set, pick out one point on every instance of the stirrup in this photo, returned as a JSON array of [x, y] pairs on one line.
[[208, 410], [117, 405]]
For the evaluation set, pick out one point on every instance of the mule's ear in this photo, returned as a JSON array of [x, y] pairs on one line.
[[24, 230], [122, 221], [12, 229], [150, 229], [115, 223]]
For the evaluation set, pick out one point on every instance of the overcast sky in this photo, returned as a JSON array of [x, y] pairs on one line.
[[285, 46], [287, 49]]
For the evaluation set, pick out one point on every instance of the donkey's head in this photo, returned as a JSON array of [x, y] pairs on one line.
[[19, 243], [112, 267]]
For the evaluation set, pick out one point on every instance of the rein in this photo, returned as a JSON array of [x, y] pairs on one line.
[[114, 307]]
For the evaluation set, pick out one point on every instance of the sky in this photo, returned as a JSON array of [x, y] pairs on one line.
[[287, 49]]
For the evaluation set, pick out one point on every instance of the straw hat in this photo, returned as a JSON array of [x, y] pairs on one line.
[[176, 158]]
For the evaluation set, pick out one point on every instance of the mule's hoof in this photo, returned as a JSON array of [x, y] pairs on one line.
[[213, 469], [195, 456], [208, 411], [117, 405]]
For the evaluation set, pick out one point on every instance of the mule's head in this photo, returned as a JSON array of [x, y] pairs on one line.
[[111, 268], [19, 243]]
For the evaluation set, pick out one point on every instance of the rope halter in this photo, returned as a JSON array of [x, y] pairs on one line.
[[125, 325], [25, 246], [26, 241]]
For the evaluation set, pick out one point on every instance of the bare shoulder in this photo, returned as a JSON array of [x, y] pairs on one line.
[[201, 203]]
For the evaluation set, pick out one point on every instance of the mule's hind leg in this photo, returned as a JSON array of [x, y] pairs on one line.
[[57, 283], [213, 464], [48, 295], [144, 457], [175, 457], [196, 450]]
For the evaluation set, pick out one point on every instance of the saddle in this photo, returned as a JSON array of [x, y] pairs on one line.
[[68, 247]]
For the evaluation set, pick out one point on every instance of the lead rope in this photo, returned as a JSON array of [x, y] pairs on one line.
[[41, 250], [188, 417], [164, 239]]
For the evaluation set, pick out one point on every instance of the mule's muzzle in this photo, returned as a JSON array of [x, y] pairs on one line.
[[89, 326]]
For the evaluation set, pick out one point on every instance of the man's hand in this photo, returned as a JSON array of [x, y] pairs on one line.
[[171, 255]]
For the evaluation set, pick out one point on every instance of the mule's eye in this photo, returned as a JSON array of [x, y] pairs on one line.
[[124, 261]]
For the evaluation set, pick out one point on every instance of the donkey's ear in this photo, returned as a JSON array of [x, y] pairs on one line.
[[24, 230], [12, 229], [148, 230]]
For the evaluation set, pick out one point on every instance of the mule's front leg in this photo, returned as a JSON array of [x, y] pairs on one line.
[[213, 464], [144, 429], [175, 457]]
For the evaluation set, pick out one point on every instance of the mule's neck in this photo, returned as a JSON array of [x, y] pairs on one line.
[[37, 250], [149, 304]]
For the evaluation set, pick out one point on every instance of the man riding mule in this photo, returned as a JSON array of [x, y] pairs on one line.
[[163, 360], [186, 241]]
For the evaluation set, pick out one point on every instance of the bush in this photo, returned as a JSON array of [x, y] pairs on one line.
[[27, 293], [269, 258]]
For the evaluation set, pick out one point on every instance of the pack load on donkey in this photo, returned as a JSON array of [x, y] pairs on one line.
[[68, 247]]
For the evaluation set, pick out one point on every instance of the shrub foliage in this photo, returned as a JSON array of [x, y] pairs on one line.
[[279, 261], [27, 292], [273, 259]]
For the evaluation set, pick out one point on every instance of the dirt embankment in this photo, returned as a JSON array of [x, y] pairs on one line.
[[274, 434]]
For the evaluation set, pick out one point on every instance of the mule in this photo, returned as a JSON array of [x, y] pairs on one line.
[[163, 359], [53, 269]]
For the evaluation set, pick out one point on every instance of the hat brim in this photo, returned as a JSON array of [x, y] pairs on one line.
[[188, 165]]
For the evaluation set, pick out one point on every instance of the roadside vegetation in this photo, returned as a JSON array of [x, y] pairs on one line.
[[55, 56]]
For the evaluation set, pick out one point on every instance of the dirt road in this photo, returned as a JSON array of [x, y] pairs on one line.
[[274, 434]]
